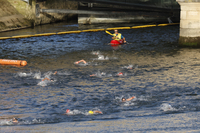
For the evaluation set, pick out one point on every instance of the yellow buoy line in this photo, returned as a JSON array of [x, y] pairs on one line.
[[89, 30]]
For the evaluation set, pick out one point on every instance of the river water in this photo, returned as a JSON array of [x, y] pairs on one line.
[[163, 77]]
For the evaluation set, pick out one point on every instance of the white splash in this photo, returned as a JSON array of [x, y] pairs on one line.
[[37, 75], [101, 74], [128, 67], [167, 107], [44, 83], [101, 57], [129, 103], [22, 74], [48, 74], [64, 73], [7, 122], [96, 52], [78, 112], [82, 64]]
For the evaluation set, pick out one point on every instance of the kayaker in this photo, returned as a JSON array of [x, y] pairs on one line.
[[118, 36], [129, 99]]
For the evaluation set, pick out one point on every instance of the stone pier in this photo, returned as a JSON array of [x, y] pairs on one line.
[[189, 23]]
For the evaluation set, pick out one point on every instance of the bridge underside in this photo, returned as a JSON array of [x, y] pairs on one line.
[[128, 12], [122, 11]]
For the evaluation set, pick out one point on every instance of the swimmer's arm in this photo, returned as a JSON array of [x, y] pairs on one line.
[[81, 61], [93, 75], [55, 73], [130, 98], [98, 112], [45, 79]]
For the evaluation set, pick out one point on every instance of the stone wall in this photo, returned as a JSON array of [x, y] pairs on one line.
[[16, 14], [10, 18], [53, 17]]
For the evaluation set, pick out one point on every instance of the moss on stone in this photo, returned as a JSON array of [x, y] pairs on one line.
[[189, 41]]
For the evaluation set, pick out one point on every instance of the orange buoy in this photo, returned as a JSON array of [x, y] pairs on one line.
[[13, 62]]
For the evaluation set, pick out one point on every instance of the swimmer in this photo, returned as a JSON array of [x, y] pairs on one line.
[[48, 79], [89, 112], [93, 75], [128, 67], [101, 57], [68, 111], [98, 74], [120, 74], [94, 112], [14, 120], [126, 100], [77, 62], [50, 73]]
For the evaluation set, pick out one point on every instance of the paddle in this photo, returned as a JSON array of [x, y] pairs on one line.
[[109, 33]]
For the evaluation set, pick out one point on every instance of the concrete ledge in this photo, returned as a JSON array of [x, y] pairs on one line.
[[10, 18], [189, 41]]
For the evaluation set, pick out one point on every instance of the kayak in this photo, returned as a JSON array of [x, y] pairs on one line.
[[115, 42]]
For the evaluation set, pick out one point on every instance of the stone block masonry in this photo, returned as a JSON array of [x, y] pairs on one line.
[[17, 14], [10, 18], [54, 17], [190, 23]]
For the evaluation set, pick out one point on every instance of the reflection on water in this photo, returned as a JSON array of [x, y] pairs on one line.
[[163, 78]]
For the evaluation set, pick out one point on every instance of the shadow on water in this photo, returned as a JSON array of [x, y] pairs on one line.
[[163, 77]]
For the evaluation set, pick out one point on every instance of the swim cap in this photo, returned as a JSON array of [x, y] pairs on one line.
[[120, 73], [123, 99], [67, 111], [91, 112]]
